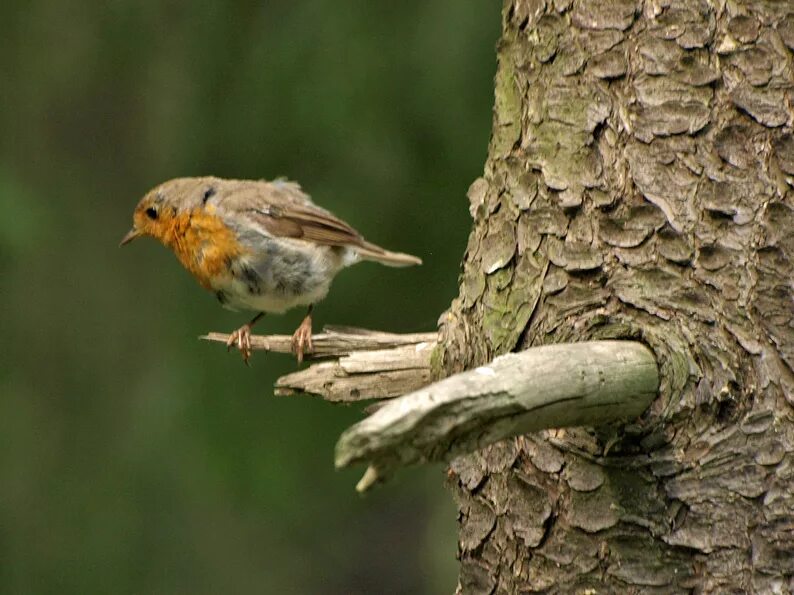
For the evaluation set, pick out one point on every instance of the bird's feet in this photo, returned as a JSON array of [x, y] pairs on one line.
[[241, 338], [302, 339]]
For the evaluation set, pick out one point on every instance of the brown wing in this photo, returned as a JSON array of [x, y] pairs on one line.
[[282, 209], [306, 223]]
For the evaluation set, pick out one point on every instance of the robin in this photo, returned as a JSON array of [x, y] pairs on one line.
[[257, 245]]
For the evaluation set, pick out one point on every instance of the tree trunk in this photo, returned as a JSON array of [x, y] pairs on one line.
[[638, 186]]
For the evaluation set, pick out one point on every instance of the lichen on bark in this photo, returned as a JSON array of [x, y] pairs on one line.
[[639, 185]]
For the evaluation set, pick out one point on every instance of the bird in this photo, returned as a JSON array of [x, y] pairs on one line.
[[258, 245]]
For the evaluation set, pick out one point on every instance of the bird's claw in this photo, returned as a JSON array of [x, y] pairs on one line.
[[241, 338], [302, 339]]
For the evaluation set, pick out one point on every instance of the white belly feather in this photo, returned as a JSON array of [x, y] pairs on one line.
[[239, 297], [278, 278]]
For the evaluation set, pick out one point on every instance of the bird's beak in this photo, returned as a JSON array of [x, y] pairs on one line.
[[131, 235]]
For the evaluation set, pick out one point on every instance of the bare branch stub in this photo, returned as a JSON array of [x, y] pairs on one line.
[[358, 364], [554, 386], [333, 341], [590, 383]]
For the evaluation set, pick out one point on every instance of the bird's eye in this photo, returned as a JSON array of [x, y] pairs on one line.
[[151, 213]]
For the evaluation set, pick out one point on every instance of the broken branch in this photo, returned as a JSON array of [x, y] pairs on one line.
[[554, 386], [367, 365]]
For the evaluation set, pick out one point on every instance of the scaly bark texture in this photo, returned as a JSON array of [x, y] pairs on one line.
[[639, 185]]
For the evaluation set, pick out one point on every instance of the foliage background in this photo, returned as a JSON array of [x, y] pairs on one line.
[[134, 458]]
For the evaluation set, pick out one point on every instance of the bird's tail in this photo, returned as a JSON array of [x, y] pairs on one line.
[[369, 251]]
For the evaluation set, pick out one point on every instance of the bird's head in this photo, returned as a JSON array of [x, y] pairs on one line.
[[159, 211]]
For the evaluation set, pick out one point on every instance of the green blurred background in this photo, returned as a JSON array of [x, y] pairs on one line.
[[133, 457]]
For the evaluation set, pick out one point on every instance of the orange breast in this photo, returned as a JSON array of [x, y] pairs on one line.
[[204, 245]]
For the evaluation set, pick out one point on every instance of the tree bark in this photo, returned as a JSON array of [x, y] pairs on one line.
[[638, 186]]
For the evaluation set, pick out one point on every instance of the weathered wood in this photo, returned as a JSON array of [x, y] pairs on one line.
[[333, 341], [362, 375], [332, 382], [368, 365], [591, 383], [407, 357]]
